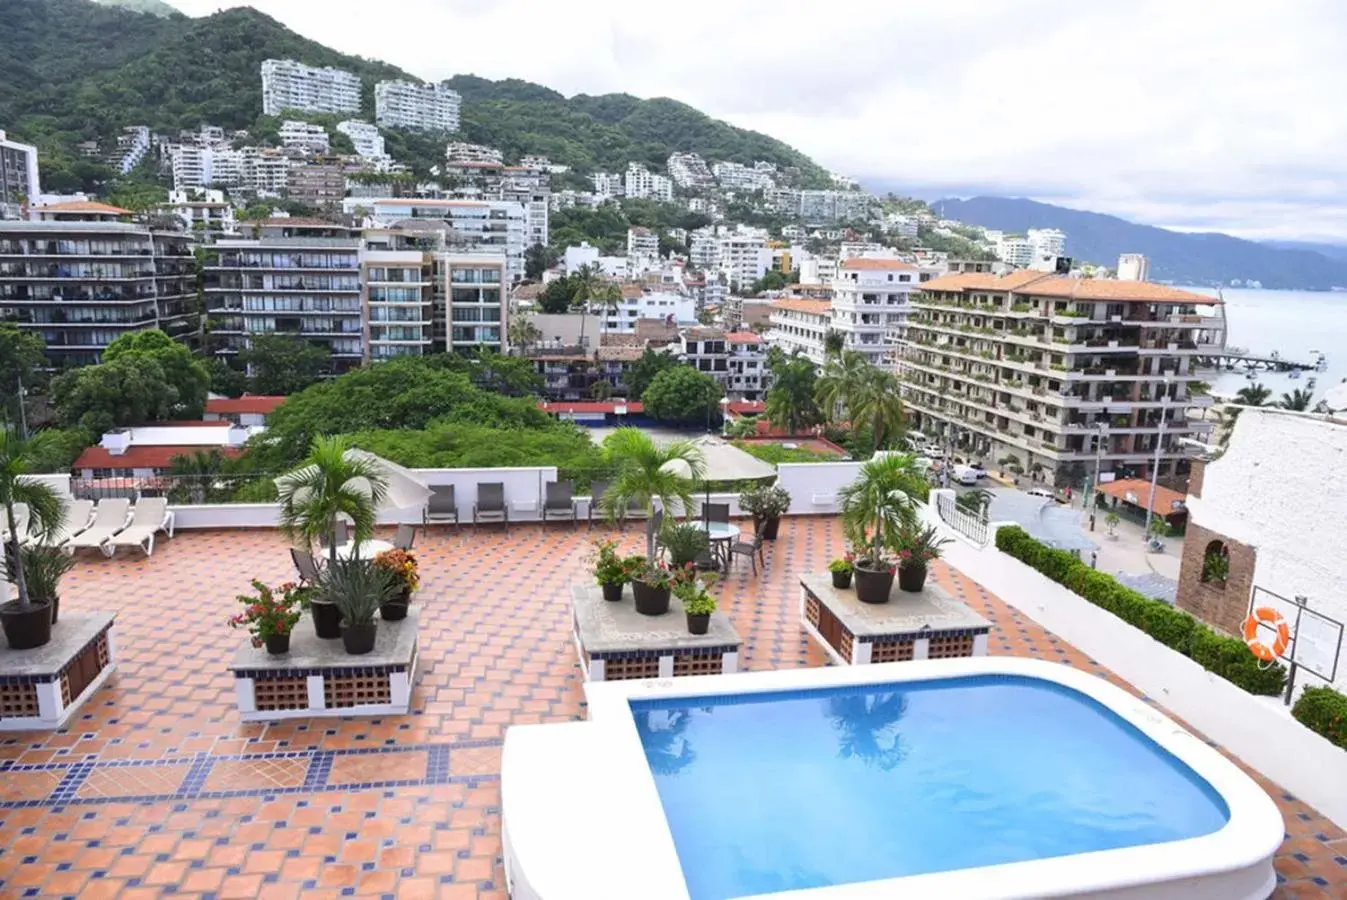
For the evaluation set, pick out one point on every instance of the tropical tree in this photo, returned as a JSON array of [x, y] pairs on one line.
[[23, 361], [283, 364], [683, 395], [878, 503], [791, 403], [1298, 400], [840, 385], [592, 289], [130, 390], [742, 427], [833, 342], [522, 333], [1010, 463], [878, 406], [186, 373], [195, 475], [332, 482], [537, 260], [46, 510], [646, 471], [975, 501], [1253, 395], [644, 370]]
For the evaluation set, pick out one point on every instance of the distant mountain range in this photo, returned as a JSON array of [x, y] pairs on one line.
[[1179, 257]]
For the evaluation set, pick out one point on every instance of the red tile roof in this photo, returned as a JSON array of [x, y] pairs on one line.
[[1043, 284], [248, 403], [868, 264], [743, 337], [801, 305], [747, 407], [1167, 502], [560, 407], [83, 206], [142, 457]]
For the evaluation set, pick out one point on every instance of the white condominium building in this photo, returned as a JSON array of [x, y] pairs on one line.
[[297, 135], [133, 144], [704, 248], [688, 170], [638, 303], [199, 167], [428, 107], [1046, 242], [870, 305], [463, 152], [735, 177], [368, 143], [800, 324], [642, 249], [1133, 267], [18, 176], [1015, 250], [642, 183], [471, 226], [607, 184], [288, 84], [744, 257], [266, 171]]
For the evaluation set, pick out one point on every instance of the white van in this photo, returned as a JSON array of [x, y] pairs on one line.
[[965, 475]]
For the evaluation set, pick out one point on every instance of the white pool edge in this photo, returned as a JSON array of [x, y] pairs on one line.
[[640, 858]]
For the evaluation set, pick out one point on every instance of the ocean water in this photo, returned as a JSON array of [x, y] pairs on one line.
[[775, 792], [1291, 322]]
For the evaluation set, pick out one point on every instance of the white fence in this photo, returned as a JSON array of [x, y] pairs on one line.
[[968, 525]]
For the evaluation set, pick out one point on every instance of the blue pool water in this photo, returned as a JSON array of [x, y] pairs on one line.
[[779, 791]]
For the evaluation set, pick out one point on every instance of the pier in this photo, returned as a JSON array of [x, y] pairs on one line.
[[1235, 360]]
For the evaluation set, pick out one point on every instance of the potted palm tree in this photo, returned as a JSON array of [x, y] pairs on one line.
[[874, 507], [331, 483], [27, 619], [647, 472]]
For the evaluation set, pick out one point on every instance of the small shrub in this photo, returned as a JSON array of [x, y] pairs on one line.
[[1324, 711], [1227, 657]]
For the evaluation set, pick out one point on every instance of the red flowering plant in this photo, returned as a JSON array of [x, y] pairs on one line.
[[916, 546], [269, 613]]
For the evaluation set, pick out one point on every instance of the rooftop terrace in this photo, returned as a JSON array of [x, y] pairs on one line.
[[158, 789]]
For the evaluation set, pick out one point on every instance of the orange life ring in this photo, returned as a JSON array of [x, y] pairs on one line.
[[1273, 618]]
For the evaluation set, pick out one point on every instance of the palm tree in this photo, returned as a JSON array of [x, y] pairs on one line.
[[878, 405], [840, 384], [331, 483], [194, 475], [833, 342], [975, 501], [1298, 400], [522, 333], [46, 509], [590, 287], [877, 504], [1253, 395], [646, 472]]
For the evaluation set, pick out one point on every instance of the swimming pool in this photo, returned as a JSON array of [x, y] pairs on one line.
[[985, 777]]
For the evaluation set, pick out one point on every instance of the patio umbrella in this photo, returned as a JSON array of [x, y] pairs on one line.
[[725, 462]]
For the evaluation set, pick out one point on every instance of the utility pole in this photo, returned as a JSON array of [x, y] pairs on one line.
[[1098, 464], [23, 413], [1155, 467]]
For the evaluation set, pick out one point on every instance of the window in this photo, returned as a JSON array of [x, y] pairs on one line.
[[1216, 564]]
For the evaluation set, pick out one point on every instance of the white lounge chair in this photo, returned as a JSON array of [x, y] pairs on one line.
[[78, 515], [20, 522], [110, 517], [150, 517]]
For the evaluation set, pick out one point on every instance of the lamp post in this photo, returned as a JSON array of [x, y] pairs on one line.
[[1155, 466], [1102, 429], [724, 416]]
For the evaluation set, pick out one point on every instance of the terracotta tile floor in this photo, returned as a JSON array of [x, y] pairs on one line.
[[157, 789]]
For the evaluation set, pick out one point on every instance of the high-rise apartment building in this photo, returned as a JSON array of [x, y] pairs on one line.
[[642, 183], [81, 276], [1015, 250], [1046, 242], [607, 184], [800, 325], [470, 226], [288, 276], [298, 135], [744, 256], [642, 249], [290, 85], [531, 189], [320, 184], [398, 294], [870, 306], [425, 107], [1050, 370], [368, 143], [18, 176], [1133, 267], [473, 285], [688, 170]]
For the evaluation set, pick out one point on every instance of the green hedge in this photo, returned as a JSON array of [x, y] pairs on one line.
[[1226, 656], [1323, 710]]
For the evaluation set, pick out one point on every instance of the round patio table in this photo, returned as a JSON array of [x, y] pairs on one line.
[[368, 549], [722, 535]]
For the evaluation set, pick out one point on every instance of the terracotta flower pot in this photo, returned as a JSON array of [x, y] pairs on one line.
[[873, 586], [912, 578]]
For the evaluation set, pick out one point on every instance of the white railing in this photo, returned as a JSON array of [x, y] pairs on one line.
[[965, 523]]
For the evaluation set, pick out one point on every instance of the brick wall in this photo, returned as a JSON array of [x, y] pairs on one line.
[[1222, 606], [1199, 469]]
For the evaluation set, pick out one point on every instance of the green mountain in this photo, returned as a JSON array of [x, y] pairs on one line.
[[151, 7], [74, 70]]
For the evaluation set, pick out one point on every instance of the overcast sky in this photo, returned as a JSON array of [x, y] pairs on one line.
[[1193, 114]]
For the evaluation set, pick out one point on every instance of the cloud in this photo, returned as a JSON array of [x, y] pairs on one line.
[[1209, 113]]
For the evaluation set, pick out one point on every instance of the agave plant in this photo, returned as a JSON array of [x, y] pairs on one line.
[[358, 588]]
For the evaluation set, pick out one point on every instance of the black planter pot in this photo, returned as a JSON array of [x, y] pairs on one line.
[[326, 619], [393, 610], [650, 601], [768, 527], [612, 592], [26, 628], [873, 586], [698, 624], [358, 639], [278, 644], [841, 580], [911, 578]]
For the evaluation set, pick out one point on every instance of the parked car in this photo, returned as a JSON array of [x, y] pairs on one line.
[[1043, 492], [965, 475], [979, 469], [933, 451]]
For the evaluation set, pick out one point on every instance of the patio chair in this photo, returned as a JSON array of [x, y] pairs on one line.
[[150, 516], [596, 491], [716, 512], [78, 514], [442, 507], [110, 517], [751, 548], [20, 523], [305, 565], [559, 502], [406, 536], [490, 505]]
